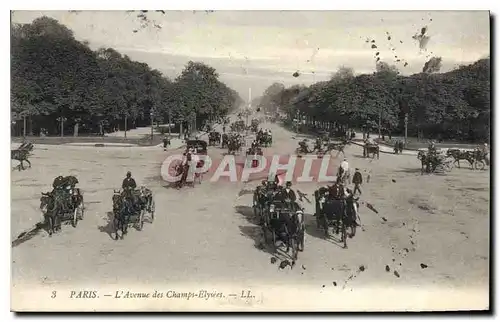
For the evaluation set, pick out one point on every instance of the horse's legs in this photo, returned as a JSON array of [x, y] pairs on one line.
[[50, 225], [21, 166], [29, 163]]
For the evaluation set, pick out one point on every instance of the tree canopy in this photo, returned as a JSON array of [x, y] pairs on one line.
[[54, 75], [452, 105]]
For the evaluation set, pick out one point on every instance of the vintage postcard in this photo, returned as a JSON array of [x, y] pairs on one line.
[[250, 160]]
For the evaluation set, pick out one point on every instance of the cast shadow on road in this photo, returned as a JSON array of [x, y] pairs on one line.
[[409, 170], [313, 231], [108, 228], [248, 213], [255, 233], [360, 156]]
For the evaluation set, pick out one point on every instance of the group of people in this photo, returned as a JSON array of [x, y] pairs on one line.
[[357, 178], [264, 132], [278, 193], [64, 186]]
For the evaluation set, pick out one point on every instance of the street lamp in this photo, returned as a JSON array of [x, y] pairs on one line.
[[13, 127], [169, 122], [152, 123], [62, 119]]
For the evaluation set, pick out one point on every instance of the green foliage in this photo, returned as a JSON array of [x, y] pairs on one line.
[[453, 105], [55, 75]]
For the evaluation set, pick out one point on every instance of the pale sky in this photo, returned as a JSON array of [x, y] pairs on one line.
[[256, 48]]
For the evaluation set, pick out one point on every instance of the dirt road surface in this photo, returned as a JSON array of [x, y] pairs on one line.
[[429, 240]]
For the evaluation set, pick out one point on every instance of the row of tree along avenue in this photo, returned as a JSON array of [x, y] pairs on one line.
[[60, 84], [453, 105]]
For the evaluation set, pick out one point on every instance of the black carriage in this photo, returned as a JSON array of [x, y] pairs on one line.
[[199, 145], [371, 148], [251, 156], [334, 211], [73, 212], [125, 216], [214, 138], [280, 220]]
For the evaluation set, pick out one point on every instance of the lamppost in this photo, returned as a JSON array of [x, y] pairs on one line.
[[169, 122], [125, 132], [297, 120], [152, 123], [61, 119], [13, 127], [403, 105]]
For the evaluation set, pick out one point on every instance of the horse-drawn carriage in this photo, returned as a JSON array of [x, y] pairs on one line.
[[335, 209], [477, 158], [64, 203], [235, 143], [435, 162], [264, 139], [279, 218], [238, 126], [130, 207], [252, 154], [21, 154], [371, 148], [214, 138], [254, 125], [284, 223], [180, 169]]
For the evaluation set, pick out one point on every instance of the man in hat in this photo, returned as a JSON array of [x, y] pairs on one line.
[[343, 169], [166, 142], [128, 186], [129, 182], [318, 145], [357, 179], [289, 195]]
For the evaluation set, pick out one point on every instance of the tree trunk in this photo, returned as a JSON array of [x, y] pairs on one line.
[[31, 125]]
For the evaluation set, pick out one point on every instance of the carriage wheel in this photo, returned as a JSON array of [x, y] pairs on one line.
[[74, 221], [479, 165], [152, 208], [141, 220], [81, 210], [274, 240]]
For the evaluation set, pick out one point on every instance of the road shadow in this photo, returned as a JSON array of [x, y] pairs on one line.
[[108, 227], [313, 231], [248, 213], [409, 170], [255, 233], [359, 156], [27, 235]]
